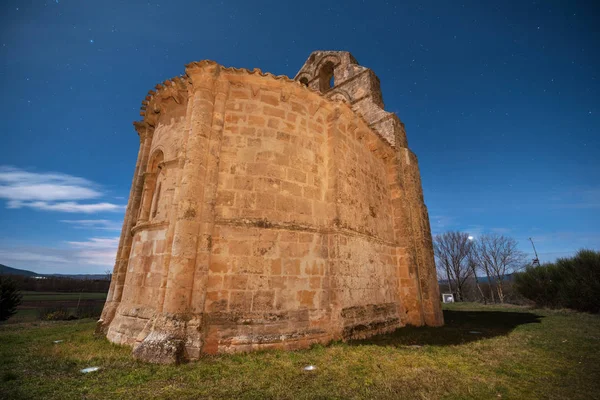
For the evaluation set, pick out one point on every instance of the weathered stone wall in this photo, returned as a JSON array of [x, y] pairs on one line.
[[267, 281], [263, 215], [297, 185], [146, 261]]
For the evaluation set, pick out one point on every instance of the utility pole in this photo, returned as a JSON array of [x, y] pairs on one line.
[[536, 260]]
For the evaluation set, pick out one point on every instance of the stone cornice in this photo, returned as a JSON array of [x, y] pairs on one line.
[[168, 163], [262, 223], [155, 102], [143, 129], [184, 83], [145, 225]]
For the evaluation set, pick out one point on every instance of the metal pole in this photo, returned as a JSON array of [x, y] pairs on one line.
[[536, 260]]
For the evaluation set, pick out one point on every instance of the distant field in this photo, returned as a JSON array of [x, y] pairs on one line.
[[35, 302], [60, 296], [483, 352]]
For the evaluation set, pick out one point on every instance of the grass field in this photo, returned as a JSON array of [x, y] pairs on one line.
[[61, 296], [33, 302], [516, 354]]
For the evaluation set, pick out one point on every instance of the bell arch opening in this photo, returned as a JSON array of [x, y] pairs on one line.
[[326, 78]]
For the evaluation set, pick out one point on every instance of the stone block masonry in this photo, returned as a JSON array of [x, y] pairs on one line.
[[267, 213]]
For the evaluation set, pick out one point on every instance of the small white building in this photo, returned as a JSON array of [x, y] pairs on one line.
[[447, 297]]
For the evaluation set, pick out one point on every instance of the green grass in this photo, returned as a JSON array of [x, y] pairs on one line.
[[24, 315], [519, 354]]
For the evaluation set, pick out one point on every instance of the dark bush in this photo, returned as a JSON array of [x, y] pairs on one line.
[[569, 282], [64, 312], [9, 376], [538, 284], [10, 298], [92, 310]]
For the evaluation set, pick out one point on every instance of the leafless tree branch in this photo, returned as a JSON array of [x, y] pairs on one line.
[[452, 251]]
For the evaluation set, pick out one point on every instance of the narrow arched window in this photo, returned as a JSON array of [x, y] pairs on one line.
[[150, 197], [326, 79], [157, 158], [156, 199]]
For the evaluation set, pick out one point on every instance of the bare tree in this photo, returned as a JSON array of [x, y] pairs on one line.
[[473, 266], [481, 261], [452, 251], [443, 270], [499, 256]]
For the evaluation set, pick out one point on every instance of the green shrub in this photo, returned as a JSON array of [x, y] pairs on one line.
[[569, 282], [580, 281], [538, 285], [56, 313], [10, 298]]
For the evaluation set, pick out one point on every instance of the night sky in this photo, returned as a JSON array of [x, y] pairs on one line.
[[501, 101]]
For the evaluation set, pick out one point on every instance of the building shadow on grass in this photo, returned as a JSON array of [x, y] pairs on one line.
[[460, 327]]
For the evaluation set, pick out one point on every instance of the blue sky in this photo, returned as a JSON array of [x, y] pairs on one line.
[[500, 101]]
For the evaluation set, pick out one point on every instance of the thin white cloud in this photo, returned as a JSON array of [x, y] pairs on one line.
[[103, 224], [94, 255], [31, 257], [105, 258], [71, 207], [22, 185], [49, 191], [96, 251], [96, 243]]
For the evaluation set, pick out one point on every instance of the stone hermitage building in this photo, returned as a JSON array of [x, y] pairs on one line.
[[267, 212]]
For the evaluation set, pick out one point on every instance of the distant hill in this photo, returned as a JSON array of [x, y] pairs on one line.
[[6, 270], [82, 276]]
